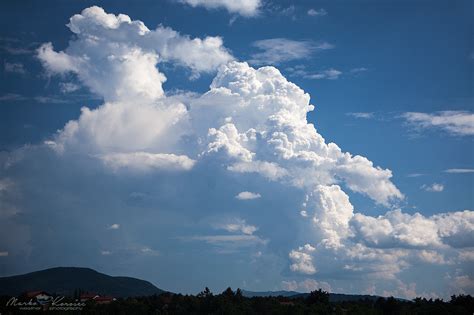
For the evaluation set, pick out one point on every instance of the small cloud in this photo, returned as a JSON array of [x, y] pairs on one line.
[[330, 74], [459, 170], [12, 97], [270, 8], [232, 20], [68, 87], [5, 184], [415, 175], [247, 195], [40, 99], [137, 196], [435, 187], [149, 251], [246, 8], [18, 68], [105, 252], [230, 242], [238, 225], [320, 12], [358, 70], [12, 46], [300, 71], [17, 50], [279, 50], [114, 226], [3, 254], [302, 260], [460, 123], [289, 11], [363, 115], [49, 99]]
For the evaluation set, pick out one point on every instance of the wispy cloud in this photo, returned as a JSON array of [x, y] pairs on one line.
[[288, 11], [435, 187], [300, 71], [244, 236], [238, 225], [320, 12], [415, 175], [50, 100], [362, 115], [12, 97], [273, 9], [149, 251], [459, 123], [14, 67], [68, 87], [279, 50], [240, 239], [459, 170], [330, 74], [356, 71], [16, 46]]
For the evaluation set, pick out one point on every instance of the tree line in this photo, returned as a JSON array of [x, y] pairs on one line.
[[234, 302]]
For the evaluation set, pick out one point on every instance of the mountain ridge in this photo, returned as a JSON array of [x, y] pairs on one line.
[[66, 280], [333, 297]]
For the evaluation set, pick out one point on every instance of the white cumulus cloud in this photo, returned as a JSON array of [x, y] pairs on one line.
[[114, 226], [319, 12], [453, 122], [435, 187], [302, 260], [239, 225], [245, 8], [247, 195]]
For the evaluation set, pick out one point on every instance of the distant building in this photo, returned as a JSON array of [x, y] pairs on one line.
[[88, 296], [96, 298], [104, 299]]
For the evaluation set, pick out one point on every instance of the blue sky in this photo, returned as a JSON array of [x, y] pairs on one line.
[[146, 183]]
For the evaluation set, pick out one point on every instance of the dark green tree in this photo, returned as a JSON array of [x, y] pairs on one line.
[[205, 294], [318, 297], [228, 293]]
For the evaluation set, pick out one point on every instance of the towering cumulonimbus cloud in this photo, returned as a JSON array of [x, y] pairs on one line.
[[255, 116], [250, 121]]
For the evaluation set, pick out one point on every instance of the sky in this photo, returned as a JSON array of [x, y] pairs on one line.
[[266, 145]]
